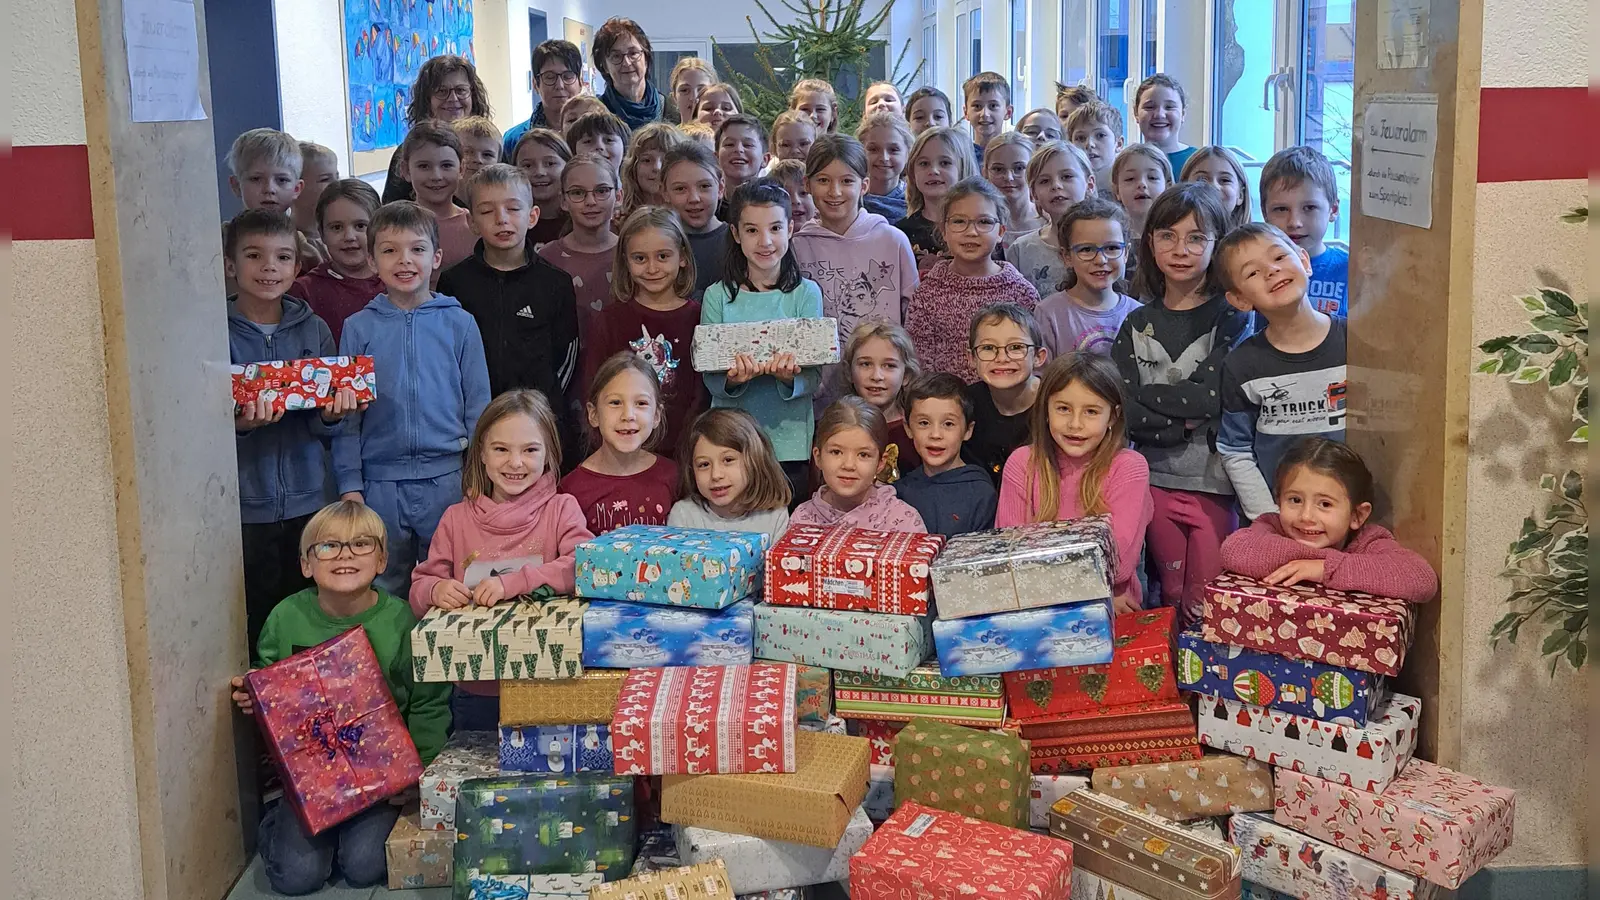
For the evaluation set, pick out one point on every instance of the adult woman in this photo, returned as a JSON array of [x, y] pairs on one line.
[[447, 88], [623, 58]]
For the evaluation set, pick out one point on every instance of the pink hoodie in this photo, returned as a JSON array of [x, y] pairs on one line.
[[883, 510], [1373, 561]]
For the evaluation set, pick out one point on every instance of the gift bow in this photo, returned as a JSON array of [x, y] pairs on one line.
[[333, 738]]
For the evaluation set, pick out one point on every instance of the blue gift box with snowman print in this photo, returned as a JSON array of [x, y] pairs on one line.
[[1052, 636], [636, 636], [556, 749], [670, 566]]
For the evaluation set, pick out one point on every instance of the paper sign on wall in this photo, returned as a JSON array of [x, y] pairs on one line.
[[1400, 136], [1402, 34], [163, 61]]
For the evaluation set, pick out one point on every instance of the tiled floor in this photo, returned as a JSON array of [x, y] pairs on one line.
[[253, 886]]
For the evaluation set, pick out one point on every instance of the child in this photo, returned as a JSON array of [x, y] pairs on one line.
[[1218, 167], [816, 98], [622, 482], [1077, 464], [510, 534], [716, 104], [952, 495], [694, 188], [433, 166], [266, 167], [651, 315], [342, 548], [1070, 99], [642, 166], [1006, 167], [541, 154], [928, 107], [1008, 351], [319, 167], [956, 288], [1097, 128], [1159, 106], [730, 480], [883, 96], [588, 251], [1170, 354], [940, 158], [480, 146], [345, 283], [600, 134], [1321, 534], [1059, 177], [793, 133], [1139, 176], [791, 173], [690, 77], [1041, 126], [1288, 380], [887, 139], [1088, 312], [862, 263], [848, 449], [878, 360], [576, 108], [402, 455], [741, 150], [759, 283], [1299, 197], [986, 103]]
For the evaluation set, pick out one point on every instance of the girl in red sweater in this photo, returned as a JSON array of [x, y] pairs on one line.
[[1320, 532]]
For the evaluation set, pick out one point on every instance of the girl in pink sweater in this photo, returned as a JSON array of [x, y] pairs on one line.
[[1320, 532], [848, 448], [510, 535], [1077, 463]]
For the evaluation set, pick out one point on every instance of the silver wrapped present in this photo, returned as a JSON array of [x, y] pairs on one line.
[[1008, 569], [814, 342]]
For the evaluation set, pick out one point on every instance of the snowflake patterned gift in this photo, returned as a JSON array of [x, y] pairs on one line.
[[303, 383], [1309, 621], [1045, 638], [1044, 564], [466, 755], [814, 342], [879, 643], [932, 854], [333, 729], [1140, 670], [1146, 853], [851, 569], [671, 566], [705, 719], [1215, 785], [556, 749], [1301, 866], [638, 636], [1331, 693], [974, 773], [1366, 758]]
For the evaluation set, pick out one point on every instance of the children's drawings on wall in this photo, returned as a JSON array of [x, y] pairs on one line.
[[386, 43]]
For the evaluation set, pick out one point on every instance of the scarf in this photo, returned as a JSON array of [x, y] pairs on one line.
[[635, 114]]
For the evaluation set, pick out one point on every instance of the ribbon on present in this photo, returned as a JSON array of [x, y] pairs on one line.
[[333, 738]]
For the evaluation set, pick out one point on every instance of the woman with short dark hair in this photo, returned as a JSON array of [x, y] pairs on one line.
[[447, 88], [623, 58]]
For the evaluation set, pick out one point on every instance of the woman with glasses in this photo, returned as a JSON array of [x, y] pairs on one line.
[[447, 89], [622, 55], [557, 78]]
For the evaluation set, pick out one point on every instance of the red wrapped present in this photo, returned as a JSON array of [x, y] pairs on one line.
[[334, 730], [851, 569], [703, 720], [1140, 670], [931, 854], [303, 383], [1309, 621], [880, 737], [1153, 732]]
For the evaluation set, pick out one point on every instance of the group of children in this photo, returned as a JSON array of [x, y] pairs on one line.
[[1033, 329]]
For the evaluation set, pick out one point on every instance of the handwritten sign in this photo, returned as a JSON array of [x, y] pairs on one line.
[[1400, 133], [163, 60]]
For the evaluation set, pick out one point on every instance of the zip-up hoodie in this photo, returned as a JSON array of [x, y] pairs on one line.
[[866, 273], [881, 511], [529, 319], [283, 468], [951, 503], [1372, 562], [432, 386]]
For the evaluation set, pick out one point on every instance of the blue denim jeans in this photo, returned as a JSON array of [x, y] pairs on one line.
[[300, 863], [410, 511]]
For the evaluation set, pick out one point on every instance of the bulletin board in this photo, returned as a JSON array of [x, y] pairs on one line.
[[386, 42]]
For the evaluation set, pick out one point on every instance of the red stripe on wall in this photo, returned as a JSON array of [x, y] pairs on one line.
[[1535, 134], [47, 193]]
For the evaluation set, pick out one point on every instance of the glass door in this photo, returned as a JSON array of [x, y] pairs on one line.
[[1326, 94], [969, 40], [1111, 56]]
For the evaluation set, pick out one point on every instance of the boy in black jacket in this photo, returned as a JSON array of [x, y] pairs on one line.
[[953, 496]]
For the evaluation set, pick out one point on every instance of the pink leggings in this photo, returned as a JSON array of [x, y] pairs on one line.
[[1185, 540]]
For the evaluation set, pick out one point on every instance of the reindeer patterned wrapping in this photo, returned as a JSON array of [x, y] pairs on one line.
[[529, 887], [1309, 621], [879, 643], [1430, 822], [303, 383], [1140, 670], [1146, 853], [509, 641], [591, 699], [637, 636], [544, 825], [814, 342], [706, 881], [700, 720], [1030, 639], [1331, 693], [671, 566], [975, 700], [466, 755], [1285, 860], [556, 749], [1045, 790], [757, 864], [418, 858], [1367, 758], [1156, 731], [851, 569], [974, 773], [1215, 785], [932, 854], [1044, 564]]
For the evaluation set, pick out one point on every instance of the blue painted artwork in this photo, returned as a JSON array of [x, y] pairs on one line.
[[1077, 635], [636, 636], [671, 566], [557, 749], [1301, 687], [386, 43]]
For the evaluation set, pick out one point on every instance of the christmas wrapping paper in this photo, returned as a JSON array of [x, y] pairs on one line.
[[669, 566], [879, 643], [590, 700], [1045, 790], [1152, 732], [636, 636], [333, 730], [811, 805], [1030, 639], [755, 864], [1146, 853], [814, 342], [933, 854], [1309, 621], [528, 887], [466, 755], [830, 725], [975, 700], [1302, 687], [1285, 860], [851, 569], [417, 858], [1214, 785], [1253, 891], [813, 693], [879, 802], [706, 881], [556, 749], [521, 640], [1140, 670], [658, 850], [1088, 886], [303, 383], [1367, 758], [1044, 564], [974, 773], [702, 720], [544, 825], [879, 735], [1430, 822]]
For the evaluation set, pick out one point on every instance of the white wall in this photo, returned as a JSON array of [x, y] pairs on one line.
[[311, 85]]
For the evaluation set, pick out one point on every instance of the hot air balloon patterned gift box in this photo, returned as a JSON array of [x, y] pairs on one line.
[[671, 566], [619, 635], [523, 640], [814, 342], [1302, 687], [1282, 859], [1309, 621], [544, 825], [1366, 758], [1044, 564], [303, 383], [852, 569]]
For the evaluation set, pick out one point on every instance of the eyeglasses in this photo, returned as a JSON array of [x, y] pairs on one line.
[[360, 546], [991, 352], [460, 92], [551, 79], [1088, 252], [1195, 241], [578, 195], [622, 56], [983, 224]]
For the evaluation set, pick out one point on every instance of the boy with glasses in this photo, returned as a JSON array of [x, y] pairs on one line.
[[1008, 350], [557, 78]]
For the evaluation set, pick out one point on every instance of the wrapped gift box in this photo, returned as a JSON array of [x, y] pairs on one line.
[[545, 825], [975, 700], [1045, 790], [705, 881], [702, 720], [417, 858], [830, 725], [879, 802], [879, 735], [974, 773], [1215, 785], [1367, 758], [333, 729], [851, 569], [811, 805], [756, 864], [636, 636], [521, 640], [466, 755], [1309, 621], [1088, 886], [1140, 670], [1302, 687], [1283, 859], [1253, 891], [528, 887], [669, 566], [1044, 564], [813, 693], [814, 342], [658, 850], [304, 383], [1030, 639], [879, 643], [590, 700], [1430, 822], [1146, 853], [1153, 732], [556, 749], [933, 854]]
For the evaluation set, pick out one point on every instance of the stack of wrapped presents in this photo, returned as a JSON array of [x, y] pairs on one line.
[[901, 716]]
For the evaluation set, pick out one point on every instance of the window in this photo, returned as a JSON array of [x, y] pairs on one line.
[[930, 41], [969, 40], [1019, 54], [1075, 23], [1152, 31], [1111, 54]]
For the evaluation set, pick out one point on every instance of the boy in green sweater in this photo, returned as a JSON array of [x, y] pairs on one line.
[[342, 550]]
